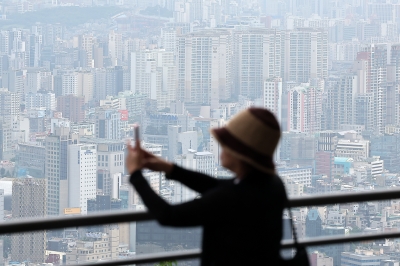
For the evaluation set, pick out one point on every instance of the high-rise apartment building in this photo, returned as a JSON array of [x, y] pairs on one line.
[[257, 56], [272, 96], [376, 59], [56, 169], [108, 124], [39, 100], [305, 54], [153, 73], [29, 201], [69, 83], [6, 151], [110, 164], [115, 47], [34, 48], [32, 80], [305, 107], [341, 102], [82, 175], [85, 85], [86, 43], [205, 67], [99, 84], [365, 111], [9, 106], [31, 159], [13, 80], [168, 39], [72, 107]]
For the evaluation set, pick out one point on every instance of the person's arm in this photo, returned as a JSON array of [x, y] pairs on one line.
[[209, 208], [194, 180]]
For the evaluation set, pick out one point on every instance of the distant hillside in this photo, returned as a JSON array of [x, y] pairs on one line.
[[157, 11], [67, 16]]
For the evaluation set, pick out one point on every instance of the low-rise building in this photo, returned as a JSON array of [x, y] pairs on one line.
[[362, 258], [95, 247], [320, 259]]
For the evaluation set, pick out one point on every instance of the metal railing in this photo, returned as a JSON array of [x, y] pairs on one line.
[[137, 216]]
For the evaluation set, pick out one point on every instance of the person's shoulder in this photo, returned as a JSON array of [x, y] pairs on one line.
[[278, 185]]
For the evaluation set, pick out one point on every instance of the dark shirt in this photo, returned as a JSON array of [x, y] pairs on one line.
[[242, 223]]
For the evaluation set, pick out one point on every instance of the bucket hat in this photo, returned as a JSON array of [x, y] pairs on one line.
[[252, 136]]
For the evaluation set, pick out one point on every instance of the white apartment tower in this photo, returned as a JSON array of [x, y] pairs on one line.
[[305, 54], [38, 100], [272, 96], [86, 43], [85, 85], [305, 108], [376, 57], [82, 173], [153, 73], [69, 83], [33, 78], [115, 46], [9, 106], [257, 57], [204, 67], [168, 39]]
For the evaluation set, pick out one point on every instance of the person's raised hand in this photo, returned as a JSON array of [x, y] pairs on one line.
[[135, 159], [155, 163]]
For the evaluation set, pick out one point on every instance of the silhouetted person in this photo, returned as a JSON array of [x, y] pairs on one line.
[[241, 217]]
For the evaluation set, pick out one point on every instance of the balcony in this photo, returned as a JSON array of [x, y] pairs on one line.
[[135, 216]]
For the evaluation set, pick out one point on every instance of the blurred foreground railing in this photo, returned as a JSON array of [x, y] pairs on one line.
[[135, 216]]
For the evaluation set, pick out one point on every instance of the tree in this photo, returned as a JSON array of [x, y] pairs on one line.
[[167, 263]]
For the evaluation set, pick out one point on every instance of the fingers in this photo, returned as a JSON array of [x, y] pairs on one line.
[[149, 161], [131, 147], [137, 144], [148, 154]]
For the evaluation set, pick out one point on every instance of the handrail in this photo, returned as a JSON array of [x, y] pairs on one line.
[[195, 253], [344, 198], [320, 241], [136, 216], [38, 224]]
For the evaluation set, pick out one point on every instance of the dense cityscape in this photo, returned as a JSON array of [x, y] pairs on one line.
[[77, 75]]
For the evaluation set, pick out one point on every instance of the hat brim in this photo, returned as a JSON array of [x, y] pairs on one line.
[[239, 150]]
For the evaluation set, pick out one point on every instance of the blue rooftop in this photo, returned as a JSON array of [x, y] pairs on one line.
[[313, 215], [343, 159]]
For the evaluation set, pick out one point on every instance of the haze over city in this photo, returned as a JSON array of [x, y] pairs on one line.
[[76, 76]]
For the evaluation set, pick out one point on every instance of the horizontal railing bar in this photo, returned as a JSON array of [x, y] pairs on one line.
[[137, 216], [195, 253], [344, 198], [320, 241], [149, 258], [48, 223]]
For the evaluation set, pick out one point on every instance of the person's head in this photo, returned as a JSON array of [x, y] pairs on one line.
[[234, 164], [249, 141]]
